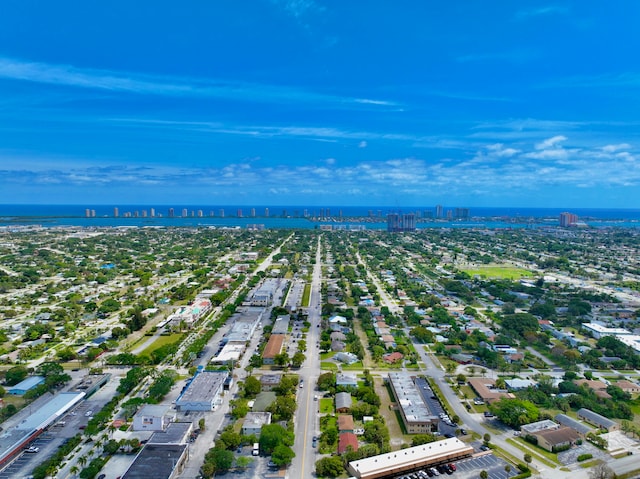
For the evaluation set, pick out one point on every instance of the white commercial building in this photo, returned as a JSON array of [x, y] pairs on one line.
[[410, 459], [203, 392]]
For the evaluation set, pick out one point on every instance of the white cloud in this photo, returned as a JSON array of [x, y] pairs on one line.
[[362, 144], [135, 83], [612, 148], [550, 142]]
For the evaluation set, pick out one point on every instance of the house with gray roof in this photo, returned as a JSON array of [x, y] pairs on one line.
[[346, 380], [580, 427], [343, 402], [597, 420]]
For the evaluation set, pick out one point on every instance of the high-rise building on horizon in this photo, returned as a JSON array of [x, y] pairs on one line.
[[266, 212], [185, 212], [116, 212], [171, 212], [397, 222], [439, 211], [153, 212], [568, 219], [462, 213], [253, 212]]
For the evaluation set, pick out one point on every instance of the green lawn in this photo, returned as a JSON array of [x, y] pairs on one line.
[[351, 367], [499, 271], [306, 295], [161, 341], [328, 365], [326, 405]]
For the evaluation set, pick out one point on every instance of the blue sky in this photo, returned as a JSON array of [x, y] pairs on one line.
[[309, 102]]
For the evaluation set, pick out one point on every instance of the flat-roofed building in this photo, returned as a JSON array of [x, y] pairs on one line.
[[254, 421], [410, 459], [175, 433], [416, 415], [31, 422], [203, 392], [599, 331], [270, 381], [152, 417], [273, 348], [263, 295], [534, 427], [159, 461], [229, 353], [281, 325]]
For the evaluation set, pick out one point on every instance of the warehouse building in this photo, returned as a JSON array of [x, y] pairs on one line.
[[416, 415], [395, 463], [203, 392]]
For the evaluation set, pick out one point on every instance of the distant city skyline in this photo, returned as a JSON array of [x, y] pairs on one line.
[[289, 102]]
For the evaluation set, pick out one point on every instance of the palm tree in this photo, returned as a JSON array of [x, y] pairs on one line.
[[82, 460], [74, 470]]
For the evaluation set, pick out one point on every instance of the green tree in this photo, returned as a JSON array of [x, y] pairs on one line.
[[243, 462], [221, 459], [283, 408], [229, 439], [273, 435], [282, 455], [327, 381], [515, 412], [16, 374], [527, 458], [252, 387], [331, 466], [297, 359], [484, 474]]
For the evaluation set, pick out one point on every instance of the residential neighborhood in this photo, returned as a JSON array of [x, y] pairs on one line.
[[330, 353]]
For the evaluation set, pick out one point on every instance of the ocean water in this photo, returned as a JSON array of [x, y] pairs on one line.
[[373, 217]]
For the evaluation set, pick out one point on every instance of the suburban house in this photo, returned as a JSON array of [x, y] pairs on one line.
[[343, 379], [270, 381], [254, 421], [343, 402], [347, 440], [486, 389], [345, 423], [392, 358]]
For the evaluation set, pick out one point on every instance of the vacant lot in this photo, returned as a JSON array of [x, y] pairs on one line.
[[499, 271]]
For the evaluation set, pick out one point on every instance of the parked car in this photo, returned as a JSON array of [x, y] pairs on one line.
[[32, 449]]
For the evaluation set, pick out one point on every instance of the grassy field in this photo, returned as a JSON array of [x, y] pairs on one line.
[[328, 366], [499, 271], [326, 405], [306, 294], [161, 341]]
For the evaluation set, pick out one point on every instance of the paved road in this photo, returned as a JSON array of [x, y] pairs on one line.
[[307, 420]]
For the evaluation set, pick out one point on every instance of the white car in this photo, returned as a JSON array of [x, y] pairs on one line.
[[32, 449]]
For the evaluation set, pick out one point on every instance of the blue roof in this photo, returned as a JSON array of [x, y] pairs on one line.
[[29, 383]]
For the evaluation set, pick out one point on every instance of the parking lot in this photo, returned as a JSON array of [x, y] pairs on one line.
[[471, 467], [434, 405], [25, 462]]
